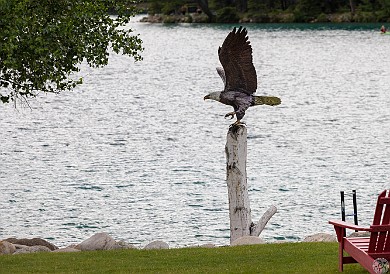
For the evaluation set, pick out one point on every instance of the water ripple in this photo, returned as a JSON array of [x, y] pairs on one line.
[[136, 152]]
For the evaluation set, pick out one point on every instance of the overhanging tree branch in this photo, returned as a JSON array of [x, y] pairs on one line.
[[43, 42]]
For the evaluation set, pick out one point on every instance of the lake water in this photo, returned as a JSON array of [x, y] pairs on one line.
[[137, 153]]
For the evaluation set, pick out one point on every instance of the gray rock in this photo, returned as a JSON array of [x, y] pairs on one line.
[[6, 248], [320, 237], [247, 240], [19, 246], [67, 249], [99, 241], [123, 245], [157, 245], [31, 249], [359, 234], [32, 242]]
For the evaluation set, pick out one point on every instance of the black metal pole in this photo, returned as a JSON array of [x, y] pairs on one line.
[[355, 217], [342, 206], [343, 209]]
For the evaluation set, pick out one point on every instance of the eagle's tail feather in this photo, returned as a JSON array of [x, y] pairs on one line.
[[267, 100]]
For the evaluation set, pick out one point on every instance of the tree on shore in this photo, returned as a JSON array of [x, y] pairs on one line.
[[43, 42], [352, 6], [284, 11], [204, 5]]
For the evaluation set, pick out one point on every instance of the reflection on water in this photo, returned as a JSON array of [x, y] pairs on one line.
[[137, 153]]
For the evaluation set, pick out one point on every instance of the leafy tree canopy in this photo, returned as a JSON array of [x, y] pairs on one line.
[[42, 42]]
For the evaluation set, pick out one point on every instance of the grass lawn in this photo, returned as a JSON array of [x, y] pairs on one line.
[[267, 258]]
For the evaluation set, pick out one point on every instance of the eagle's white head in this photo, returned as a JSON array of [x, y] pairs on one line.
[[214, 96]]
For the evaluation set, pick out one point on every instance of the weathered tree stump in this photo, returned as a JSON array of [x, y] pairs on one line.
[[239, 206]]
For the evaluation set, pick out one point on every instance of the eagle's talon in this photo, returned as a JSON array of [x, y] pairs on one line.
[[237, 123], [230, 114]]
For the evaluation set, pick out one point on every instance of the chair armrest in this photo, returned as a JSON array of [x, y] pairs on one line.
[[343, 224]]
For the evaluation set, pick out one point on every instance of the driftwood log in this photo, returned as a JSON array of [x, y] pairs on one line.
[[239, 207]]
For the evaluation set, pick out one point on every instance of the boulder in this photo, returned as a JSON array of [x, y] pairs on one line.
[[123, 245], [19, 246], [320, 237], [22, 249], [6, 248], [67, 249], [31, 242], [99, 241], [247, 240], [157, 245], [359, 234]]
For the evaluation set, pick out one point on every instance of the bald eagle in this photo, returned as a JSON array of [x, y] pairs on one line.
[[239, 76]]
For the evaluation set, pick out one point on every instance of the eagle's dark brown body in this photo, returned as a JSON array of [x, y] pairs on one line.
[[238, 75], [240, 101]]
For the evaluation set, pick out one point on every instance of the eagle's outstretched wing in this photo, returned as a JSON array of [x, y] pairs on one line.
[[235, 56], [221, 73]]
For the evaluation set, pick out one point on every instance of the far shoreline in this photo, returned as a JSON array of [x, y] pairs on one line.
[[273, 18]]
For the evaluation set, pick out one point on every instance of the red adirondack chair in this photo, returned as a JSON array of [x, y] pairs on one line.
[[365, 250]]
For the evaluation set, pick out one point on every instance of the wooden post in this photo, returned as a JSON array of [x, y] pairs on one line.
[[239, 206]]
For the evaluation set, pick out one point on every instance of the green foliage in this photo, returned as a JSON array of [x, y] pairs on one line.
[[281, 11], [364, 17], [385, 7], [322, 18], [366, 5], [220, 4], [268, 258], [313, 7], [283, 18], [171, 7], [155, 8], [227, 15], [259, 17], [383, 16], [309, 9], [166, 7], [42, 42], [257, 6]]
